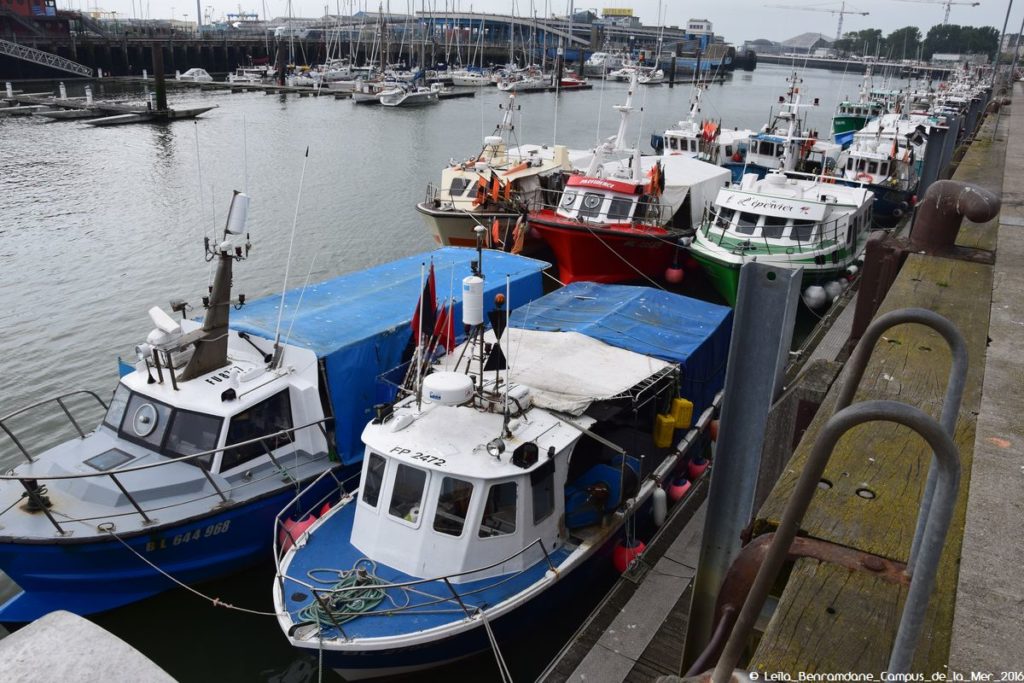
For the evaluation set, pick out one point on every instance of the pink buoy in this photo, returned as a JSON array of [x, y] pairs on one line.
[[625, 553], [678, 489], [674, 274], [292, 530], [696, 467]]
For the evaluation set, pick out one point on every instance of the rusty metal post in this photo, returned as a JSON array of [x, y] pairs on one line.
[[883, 258], [942, 210], [158, 77]]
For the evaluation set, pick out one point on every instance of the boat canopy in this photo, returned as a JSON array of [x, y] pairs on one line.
[[691, 333], [358, 324]]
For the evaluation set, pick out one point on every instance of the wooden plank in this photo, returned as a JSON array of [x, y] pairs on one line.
[[830, 620], [910, 364]]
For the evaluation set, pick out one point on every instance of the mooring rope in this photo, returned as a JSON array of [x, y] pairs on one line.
[[216, 602]]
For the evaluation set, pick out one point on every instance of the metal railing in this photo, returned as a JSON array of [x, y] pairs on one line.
[[30, 54], [59, 400], [826, 235], [35, 489]]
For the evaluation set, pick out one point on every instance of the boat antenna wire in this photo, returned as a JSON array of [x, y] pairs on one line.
[[419, 338], [298, 304], [199, 181], [287, 265]]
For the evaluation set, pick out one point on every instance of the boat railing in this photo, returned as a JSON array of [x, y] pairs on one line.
[[60, 401], [323, 595], [35, 484], [825, 235], [430, 197]]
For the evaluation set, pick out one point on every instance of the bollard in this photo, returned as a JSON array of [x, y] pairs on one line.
[[88, 94], [63, 91], [10, 89], [99, 73], [177, 75], [145, 75], [945, 205]]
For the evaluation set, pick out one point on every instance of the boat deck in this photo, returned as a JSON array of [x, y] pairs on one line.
[[424, 606]]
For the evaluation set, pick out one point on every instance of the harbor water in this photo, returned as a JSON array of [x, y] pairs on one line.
[[99, 224]]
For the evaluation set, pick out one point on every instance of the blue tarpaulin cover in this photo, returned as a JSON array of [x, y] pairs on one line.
[[695, 334], [359, 323]]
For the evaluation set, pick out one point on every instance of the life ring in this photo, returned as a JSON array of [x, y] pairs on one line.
[[864, 176]]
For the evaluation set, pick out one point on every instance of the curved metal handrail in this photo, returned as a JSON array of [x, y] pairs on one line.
[[936, 527], [950, 404], [59, 400]]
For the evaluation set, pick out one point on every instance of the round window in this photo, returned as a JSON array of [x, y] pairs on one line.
[[568, 199], [592, 201], [145, 419]]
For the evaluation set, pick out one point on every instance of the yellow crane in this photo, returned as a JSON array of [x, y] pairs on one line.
[[948, 3], [842, 11]]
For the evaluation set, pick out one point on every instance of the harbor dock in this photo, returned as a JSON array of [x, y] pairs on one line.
[[842, 617]]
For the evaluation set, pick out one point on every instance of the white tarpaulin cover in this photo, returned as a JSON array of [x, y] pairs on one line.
[[567, 371]]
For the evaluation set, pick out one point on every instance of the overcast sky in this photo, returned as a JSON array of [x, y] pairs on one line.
[[737, 20]]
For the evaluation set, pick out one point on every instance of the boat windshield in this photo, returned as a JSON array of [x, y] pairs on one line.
[[174, 432]]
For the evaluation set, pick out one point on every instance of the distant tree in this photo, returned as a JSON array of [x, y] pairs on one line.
[[865, 42], [902, 43], [955, 39]]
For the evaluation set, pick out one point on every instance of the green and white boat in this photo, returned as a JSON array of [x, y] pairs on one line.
[[785, 222]]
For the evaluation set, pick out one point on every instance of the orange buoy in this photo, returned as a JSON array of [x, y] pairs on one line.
[[678, 489], [696, 467], [625, 554], [674, 274]]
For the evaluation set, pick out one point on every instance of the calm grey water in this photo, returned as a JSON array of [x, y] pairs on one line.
[[99, 224]]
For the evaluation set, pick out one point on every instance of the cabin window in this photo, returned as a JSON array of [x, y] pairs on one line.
[[766, 148], [619, 208], [861, 165], [873, 167], [728, 150], [693, 145], [458, 186], [883, 168], [452, 506], [849, 164], [773, 228], [725, 218], [267, 417], [747, 223], [591, 205], [500, 510], [192, 433], [802, 231], [568, 199], [373, 479], [115, 411], [542, 481], [407, 494], [145, 421], [673, 143]]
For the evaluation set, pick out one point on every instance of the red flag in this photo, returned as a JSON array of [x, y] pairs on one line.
[[496, 234], [444, 330], [428, 299]]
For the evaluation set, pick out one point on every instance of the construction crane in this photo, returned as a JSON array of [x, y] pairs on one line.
[[948, 3], [842, 11]]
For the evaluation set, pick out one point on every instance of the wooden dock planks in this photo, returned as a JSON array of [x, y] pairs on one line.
[[831, 619]]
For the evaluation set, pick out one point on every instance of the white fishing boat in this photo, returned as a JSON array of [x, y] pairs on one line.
[[497, 184], [702, 139], [470, 79], [651, 77], [816, 224], [195, 76], [492, 491], [251, 74], [530, 79], [408, 96], [600, 63]]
